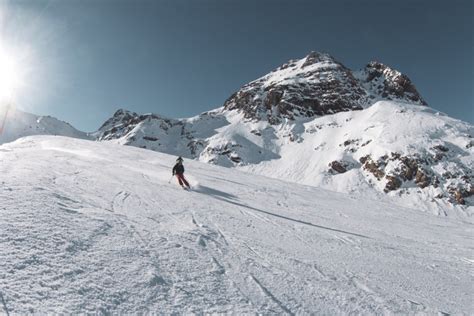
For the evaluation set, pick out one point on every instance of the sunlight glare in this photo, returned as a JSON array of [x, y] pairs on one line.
[[10, 75]]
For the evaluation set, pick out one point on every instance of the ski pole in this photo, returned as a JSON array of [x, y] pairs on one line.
[[169, 181]]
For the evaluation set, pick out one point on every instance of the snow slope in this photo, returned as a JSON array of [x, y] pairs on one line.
[[20, 124], [422, 158], [96, 227], [413, 152]]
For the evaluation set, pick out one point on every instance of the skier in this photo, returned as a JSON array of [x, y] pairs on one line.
[[178, 170]]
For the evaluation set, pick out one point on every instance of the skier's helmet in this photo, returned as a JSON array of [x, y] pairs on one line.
[[179, 159]]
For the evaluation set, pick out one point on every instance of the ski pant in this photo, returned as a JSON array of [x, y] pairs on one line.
[[182, 180]]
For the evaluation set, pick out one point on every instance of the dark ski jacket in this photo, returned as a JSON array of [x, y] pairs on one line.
[[178, 168]]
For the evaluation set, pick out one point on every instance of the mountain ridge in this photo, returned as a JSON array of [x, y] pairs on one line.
[[291, 105], [367, 131]]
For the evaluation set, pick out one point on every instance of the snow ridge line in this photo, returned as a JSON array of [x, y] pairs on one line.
[[4, 304]]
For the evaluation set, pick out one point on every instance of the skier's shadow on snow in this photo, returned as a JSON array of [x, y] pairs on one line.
[[215, 193], [229, 198]]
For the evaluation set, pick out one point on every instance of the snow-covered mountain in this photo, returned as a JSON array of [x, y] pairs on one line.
[[100, 230], [319, 85], [19, 124], [314, 121]]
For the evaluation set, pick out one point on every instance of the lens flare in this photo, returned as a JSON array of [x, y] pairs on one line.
[[10, 74]]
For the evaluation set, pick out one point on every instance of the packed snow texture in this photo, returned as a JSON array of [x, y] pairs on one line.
[[303, 150], [97, 227], [17, 124]]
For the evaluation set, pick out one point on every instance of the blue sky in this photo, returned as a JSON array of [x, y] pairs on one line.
[[180, 58]]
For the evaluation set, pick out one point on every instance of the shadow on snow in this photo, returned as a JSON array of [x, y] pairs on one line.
[[230, 198]]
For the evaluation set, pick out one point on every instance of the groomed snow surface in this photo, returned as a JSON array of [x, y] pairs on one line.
[[97, 227]]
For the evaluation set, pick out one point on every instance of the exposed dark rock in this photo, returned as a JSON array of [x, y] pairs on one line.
[[125, 121], [364, 159], [393, 183], [338, 166], [459, 197], [150, 138], [441, 148], [366, 143], [418, 169], [395, 156], [373, 168], [409, 168], [439, 156], [459, 194], [435, 182], [235, 159], [391, 84], [273, 98], [195, 147], [351, 141], [447, 175], [422, 179]]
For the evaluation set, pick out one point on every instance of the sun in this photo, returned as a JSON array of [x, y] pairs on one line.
[[10, 75]]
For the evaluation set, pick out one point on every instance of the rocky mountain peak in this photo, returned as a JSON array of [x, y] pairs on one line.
[[318, 57], [123, 112], [317, 85]]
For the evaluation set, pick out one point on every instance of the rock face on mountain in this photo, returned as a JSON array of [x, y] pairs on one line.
[[383, 82], [319, 85], [314, 121], [123, 122]]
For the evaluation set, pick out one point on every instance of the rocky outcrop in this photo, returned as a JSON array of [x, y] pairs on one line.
[[338, 166], [123, 122], [393, 183], [384, 82], [229, 151], [421, 172], [373, 167]]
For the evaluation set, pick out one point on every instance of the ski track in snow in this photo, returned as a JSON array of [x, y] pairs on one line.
[[83, 234]]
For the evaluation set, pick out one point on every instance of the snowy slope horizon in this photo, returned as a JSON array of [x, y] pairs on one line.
[[89, 227], [19, 124]]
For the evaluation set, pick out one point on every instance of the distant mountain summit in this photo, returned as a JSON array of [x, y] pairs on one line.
[[319, 85]]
